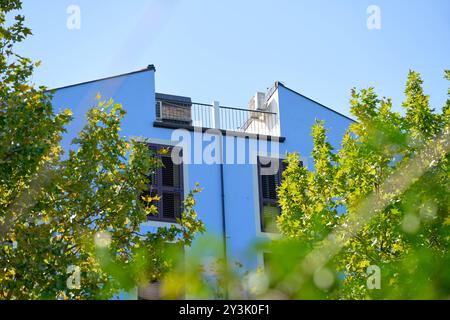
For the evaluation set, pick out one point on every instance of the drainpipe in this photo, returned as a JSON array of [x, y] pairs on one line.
[[216, 109]]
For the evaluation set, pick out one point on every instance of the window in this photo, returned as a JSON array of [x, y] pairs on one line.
[[167, 184], [269, 175]]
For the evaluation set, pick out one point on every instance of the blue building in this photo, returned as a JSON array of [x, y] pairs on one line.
[[238, 202]]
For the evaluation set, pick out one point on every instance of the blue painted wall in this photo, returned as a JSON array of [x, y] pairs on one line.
[[297, 115], [136, 91]]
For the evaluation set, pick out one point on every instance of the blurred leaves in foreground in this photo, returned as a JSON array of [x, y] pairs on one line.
[[70, 223], [370, 222]]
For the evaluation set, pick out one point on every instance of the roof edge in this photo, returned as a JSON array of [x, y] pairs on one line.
[[312, 100], [150, 67]]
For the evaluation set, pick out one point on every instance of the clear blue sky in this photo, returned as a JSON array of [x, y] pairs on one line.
[[227, 50]]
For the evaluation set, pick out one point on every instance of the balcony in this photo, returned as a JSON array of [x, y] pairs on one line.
[[232, 120]]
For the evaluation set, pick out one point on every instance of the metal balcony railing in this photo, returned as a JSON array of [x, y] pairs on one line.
[[249, 121], [229, 119]]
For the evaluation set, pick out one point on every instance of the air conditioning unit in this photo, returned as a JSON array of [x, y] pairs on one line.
[[258, 102]]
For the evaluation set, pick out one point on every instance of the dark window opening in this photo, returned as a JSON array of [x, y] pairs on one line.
[[166, 183], [270, 172]]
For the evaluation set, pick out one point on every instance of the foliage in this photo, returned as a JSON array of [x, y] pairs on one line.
[[382, 199], [78, 209]]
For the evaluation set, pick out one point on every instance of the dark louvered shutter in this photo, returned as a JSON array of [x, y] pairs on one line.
[[167, 183], [170, 173], [268, 184], [171, 205]]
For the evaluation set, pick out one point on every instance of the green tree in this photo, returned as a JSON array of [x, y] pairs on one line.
[[80, 210], [382, 199]]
